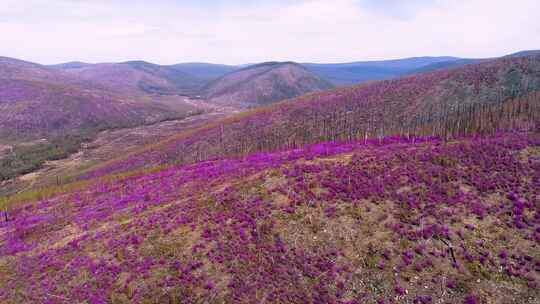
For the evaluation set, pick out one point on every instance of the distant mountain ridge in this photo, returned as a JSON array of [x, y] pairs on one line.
[[361, 71], [192, 78]]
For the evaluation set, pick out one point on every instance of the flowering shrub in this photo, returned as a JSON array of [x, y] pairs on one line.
[[390, 221]]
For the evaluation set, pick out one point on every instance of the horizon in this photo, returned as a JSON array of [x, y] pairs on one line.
[[234, 33], [269, 61]]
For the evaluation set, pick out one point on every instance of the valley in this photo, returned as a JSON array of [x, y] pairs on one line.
[[109, 144]]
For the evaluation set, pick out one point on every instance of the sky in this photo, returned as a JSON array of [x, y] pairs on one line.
[[248, 31]]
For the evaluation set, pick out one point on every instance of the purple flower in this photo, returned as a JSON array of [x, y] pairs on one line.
[[399, 290], [470, 299], [209, 285], [451, 284]]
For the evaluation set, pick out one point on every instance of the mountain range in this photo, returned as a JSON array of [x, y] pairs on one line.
[[194, 79]]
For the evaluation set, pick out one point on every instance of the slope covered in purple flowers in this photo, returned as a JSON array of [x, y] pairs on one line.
[[479, 98], [398, 220]]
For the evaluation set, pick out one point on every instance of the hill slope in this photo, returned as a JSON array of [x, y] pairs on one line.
[[498, 94], [383, 222], [38, 101], [33, 110], [264, 83]]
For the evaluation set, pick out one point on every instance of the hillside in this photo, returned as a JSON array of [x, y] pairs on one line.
[[391, 221], [34, 109], [472, 99], [38, 101], [263, 84]]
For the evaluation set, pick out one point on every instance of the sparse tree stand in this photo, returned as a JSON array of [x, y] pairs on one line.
[[6, 216]]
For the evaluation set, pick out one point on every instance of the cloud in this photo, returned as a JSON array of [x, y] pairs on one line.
[[235, 31]]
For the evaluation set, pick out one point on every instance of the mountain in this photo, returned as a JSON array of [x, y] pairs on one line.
[[476, 98], [30, 110], [394, 220], [263, 84], [39, 101], [361, 71]]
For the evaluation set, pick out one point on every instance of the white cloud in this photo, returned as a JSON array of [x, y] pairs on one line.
[[235, 32]]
